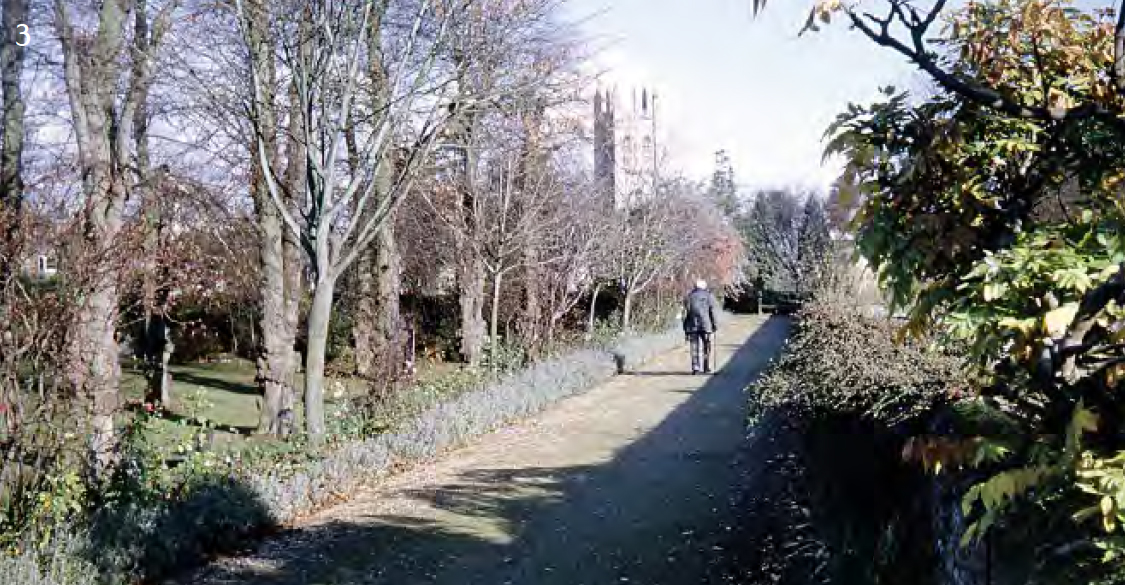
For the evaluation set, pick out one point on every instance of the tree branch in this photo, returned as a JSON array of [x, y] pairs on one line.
[[966, 88]]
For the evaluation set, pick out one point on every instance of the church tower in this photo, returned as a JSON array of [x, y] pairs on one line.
[[605, 144], [626, 152]]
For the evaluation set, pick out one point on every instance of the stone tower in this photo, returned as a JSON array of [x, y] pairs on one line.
[[605, 164], [625, 149]]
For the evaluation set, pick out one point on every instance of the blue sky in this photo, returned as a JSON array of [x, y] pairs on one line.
[[748, 85]]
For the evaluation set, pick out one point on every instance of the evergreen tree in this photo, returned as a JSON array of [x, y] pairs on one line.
[[770, 228], [814, 245], [722, 189]]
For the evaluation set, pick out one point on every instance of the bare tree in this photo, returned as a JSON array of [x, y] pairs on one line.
[[581, 245], [643, 247], [279, 256], [98, 63], [339, 213]]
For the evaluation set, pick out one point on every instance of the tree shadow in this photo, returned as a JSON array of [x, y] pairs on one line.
[[657, 512], [145, 541], [215, 383]]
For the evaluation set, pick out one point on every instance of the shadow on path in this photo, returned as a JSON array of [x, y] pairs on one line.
[[656, 513]]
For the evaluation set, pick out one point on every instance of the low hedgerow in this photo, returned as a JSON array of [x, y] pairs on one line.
[[841, 360], [156, 519], [850, 393], [61, 561]]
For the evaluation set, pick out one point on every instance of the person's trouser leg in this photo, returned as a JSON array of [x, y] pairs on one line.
[[705, 342], [695, 344]]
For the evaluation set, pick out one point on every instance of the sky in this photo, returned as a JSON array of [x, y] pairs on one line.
[[748, 85]]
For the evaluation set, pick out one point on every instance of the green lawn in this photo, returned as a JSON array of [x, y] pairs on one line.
[[229, 394]]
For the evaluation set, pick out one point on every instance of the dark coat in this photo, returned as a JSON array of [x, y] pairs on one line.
[[699, 312]]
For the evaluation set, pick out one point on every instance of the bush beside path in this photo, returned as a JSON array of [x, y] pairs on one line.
[[631, 482]]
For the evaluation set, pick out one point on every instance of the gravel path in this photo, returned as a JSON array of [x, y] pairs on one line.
[[631, 482]]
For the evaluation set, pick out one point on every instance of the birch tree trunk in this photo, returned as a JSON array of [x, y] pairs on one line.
[[593, 309], [320, 314], [627, 310], [494, 319]]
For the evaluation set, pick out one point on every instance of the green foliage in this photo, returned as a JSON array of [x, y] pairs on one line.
[[722, 189], [787, 239], [1002, 236], [814, 245], [508, 356], [770, 228], [841, 360]]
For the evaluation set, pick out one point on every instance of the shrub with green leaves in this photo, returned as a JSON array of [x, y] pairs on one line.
[[840, 359]]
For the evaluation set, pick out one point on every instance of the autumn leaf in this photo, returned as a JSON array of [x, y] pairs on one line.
[[1056, 322]]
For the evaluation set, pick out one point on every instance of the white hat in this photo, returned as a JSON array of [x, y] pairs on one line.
[[701, 284]]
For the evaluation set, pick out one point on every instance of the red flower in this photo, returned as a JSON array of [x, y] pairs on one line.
[[149, 407]]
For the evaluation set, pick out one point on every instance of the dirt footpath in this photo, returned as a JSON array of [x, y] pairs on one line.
[[630, 482]]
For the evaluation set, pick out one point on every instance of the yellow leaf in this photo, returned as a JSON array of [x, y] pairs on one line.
[[1107, 505], [1056, 321]]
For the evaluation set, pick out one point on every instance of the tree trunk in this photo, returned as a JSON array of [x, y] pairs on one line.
[[593, 309], [528, 179], [164, 388], [233, 322], [380, 270], [273, 354], [94, 371], [549, 334], [12, 123], [494, 319], [367, 307], [471, 284], [295, 169], [532, 312], [317, 330], [158, 349], [157, 342], [11, 182], [627, 310], [388, 286], [376, 327]]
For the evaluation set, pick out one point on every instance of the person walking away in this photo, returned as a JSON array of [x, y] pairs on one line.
[[700, 325]]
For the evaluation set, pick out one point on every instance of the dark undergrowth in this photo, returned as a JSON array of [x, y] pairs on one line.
[[829, 502]]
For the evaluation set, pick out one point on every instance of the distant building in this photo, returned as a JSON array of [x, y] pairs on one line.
[[626, 162]]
